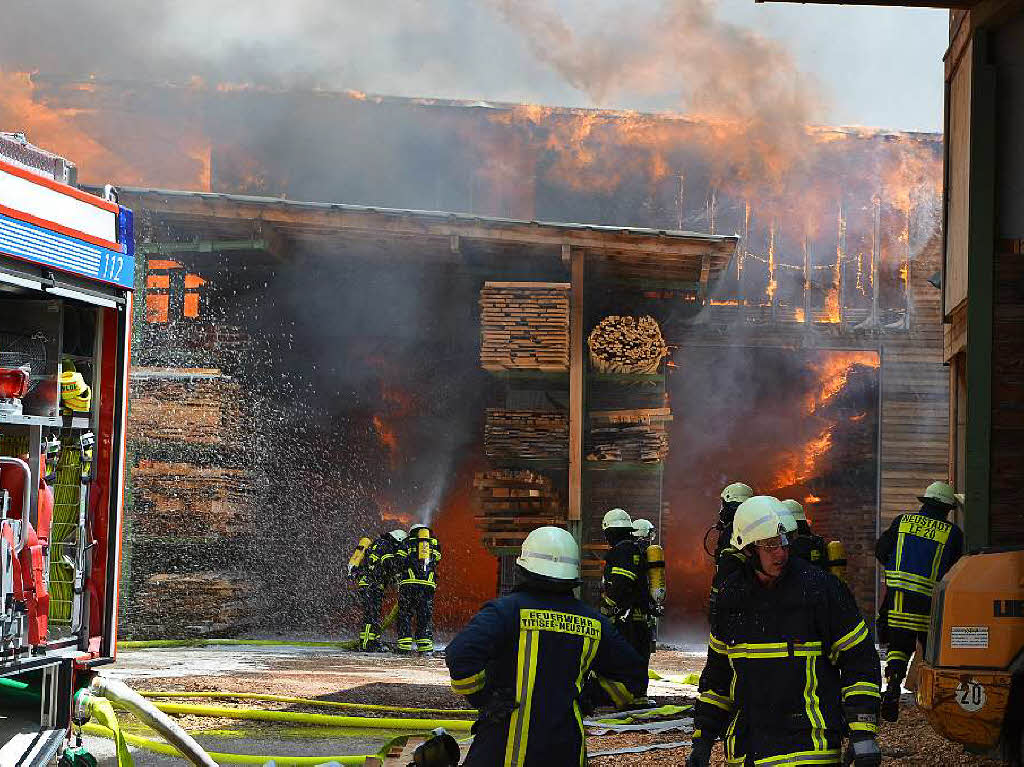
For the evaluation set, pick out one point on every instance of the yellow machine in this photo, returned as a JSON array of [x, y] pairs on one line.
[[971, 684]]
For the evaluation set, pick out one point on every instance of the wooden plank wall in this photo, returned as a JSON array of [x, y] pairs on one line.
[[1006, 513], [915, 398]]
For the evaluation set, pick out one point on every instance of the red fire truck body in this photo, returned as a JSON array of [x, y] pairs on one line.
[[66, 277]]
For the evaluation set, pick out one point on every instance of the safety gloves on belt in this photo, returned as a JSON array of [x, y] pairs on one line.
[[700, 754], [862, 751]]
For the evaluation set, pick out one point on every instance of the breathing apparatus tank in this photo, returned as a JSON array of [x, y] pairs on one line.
[[423, 548], [836, 553], [656, 573], [357, 556]]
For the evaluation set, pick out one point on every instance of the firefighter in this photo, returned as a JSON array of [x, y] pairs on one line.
[[727, 559], [374, 574], [791, 667], [523, 658], [653, 559], [417, 583], [624, 592], [733, 495], [803, 542], [916, 551]]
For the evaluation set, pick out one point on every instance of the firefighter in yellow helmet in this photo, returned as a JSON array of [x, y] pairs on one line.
[[804, 543], [916, 551], [791, 668], [727, 558], [417, 583], [523, 659]]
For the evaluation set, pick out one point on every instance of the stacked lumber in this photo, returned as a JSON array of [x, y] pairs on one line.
[[524, 326], [632, 345], [509, 503], [202, 604], [629, 435], [526, 434]]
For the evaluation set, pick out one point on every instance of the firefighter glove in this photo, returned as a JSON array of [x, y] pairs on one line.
[[700, 754], [863, 753]]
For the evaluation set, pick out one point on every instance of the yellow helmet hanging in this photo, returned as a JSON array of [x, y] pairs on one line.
[[74, 393]]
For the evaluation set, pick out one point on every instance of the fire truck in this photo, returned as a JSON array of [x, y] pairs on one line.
[[66, 276]]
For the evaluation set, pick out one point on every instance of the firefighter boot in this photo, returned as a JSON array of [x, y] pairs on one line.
[[890, 708]]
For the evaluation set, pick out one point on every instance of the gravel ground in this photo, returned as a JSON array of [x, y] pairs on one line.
[[330, 675]]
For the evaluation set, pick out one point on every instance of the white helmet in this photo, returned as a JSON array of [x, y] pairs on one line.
[[794, 508], [737, 492], [758, 519], [417, 526], [551, 552], [399, 535], [939, 492], [788, 520], [643, 529], [616, 518]]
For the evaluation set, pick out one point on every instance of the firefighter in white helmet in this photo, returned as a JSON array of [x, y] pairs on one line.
[[418, 558], [727, 558], [805, 544], [523, 658], [791, 667], [624, 592], [916, 551], [376, 572]]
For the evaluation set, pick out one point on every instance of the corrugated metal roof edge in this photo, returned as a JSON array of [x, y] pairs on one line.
[[720, 239]]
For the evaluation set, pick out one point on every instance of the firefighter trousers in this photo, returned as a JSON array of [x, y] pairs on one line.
[[415, 606], [371, 597], [902, 643]]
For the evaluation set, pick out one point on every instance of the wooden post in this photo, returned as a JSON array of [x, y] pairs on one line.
[[840, 257], [705, 273], [807, 279], [576, 393], [876, 254]]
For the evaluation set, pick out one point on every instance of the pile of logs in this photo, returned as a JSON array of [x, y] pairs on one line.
[[524, 326], [629, 435], [509, 503], [526, 435], [627, 345]]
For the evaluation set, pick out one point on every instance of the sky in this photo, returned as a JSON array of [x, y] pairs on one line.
[[828, 64]]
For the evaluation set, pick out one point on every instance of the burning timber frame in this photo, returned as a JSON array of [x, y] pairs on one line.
[[496, 247], [913, 407]]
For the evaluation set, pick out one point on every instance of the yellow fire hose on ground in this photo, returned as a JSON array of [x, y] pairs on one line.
[[310, 702], [222, 758], [319, 720], [149, 644]]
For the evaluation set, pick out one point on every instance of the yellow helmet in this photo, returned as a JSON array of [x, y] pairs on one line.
[[939, 492], [74, 392], [737, 492], [794, 508]]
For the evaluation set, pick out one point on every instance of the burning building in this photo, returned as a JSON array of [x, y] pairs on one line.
[[306, 373]]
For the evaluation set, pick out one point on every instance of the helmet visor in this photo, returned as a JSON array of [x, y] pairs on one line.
[[773, 544]]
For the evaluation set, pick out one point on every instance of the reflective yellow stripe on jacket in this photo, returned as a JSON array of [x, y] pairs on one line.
[[470, 684]]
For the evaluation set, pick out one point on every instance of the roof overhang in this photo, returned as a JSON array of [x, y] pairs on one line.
[[331, 228]]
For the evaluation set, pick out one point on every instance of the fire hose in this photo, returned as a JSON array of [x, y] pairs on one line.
[[96, 700], [320, 720], [308, 702]]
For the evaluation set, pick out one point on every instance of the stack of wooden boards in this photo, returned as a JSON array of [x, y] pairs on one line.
[[629, 345], [526, 435], [524, 326], [509, 503], [638, 435]]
